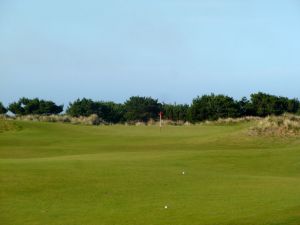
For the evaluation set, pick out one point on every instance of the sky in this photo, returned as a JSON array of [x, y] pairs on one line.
[[172, 50]]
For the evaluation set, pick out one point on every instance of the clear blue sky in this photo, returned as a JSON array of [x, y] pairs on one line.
[[172, 50]]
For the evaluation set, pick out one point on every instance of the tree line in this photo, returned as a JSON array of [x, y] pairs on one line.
[[136, 108]]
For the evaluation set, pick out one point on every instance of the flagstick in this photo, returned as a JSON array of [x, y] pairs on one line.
[[160, 123]]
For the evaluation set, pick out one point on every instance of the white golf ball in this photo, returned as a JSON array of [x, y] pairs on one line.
[[183, 173], [166, 206]]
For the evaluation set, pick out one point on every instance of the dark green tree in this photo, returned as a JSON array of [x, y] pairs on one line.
[[293, 106], [3, 110], [111, 112], [245, 107], [175, 112], [141, 109], [82, 107], [34, 106], [49, 107], [16, 108], [108, 111], [265, 104], [212, 107]]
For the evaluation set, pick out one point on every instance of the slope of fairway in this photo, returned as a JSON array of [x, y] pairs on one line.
[[61, 174]]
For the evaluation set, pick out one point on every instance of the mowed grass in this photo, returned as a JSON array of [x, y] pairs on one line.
[[61, 174]]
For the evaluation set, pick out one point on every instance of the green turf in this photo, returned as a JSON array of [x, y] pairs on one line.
[[63, 174]]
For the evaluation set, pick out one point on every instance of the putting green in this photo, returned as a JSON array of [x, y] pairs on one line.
[[62, 174]]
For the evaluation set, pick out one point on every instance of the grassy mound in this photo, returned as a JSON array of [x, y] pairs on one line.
[[286, 125], [6, 125]]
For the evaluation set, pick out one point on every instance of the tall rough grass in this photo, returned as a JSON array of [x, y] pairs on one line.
[[90, 120], [285, 125], [152, 122], [229, 121]]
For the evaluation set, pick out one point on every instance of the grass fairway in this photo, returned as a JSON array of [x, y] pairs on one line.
[[61, 174]]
